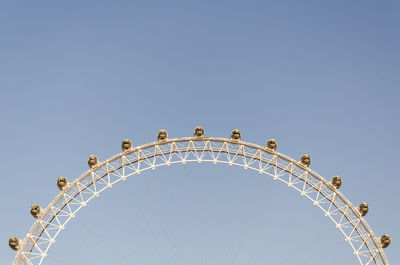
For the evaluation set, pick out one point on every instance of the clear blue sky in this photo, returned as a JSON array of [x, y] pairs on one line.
[[320, 76]]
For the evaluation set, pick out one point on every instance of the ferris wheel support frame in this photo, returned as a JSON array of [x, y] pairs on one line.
[[132, 161]]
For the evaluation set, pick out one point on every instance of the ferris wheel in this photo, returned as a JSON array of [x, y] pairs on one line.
[[347, 218]]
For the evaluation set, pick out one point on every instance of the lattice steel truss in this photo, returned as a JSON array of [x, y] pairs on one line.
[[67, 203]]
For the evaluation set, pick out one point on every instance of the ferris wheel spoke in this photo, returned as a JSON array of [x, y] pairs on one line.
[[249, 224], [155, 186], [205, 216], [267, 240], [155, 240], [123, 237], [71, 253], [224, 252], [243, 238], [62, 260], [221, 212], [342, 261], [164, 219], [81, 243], [189, 214], [235, 237], [306, 246], [294, 249], [211, 209], [201, 259], [240, 245], [66, 255], [241, 231], [106, 244], [314, 257], [138, 251]]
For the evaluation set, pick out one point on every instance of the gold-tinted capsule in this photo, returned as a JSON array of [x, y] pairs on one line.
[[35, 210], [162, 135], [14, 243], [62, 182], [305, 159], [336, 181], [272, 144], [363, 208], [198, 132], [93, 161], [236, 135], [385, 240], [126, 145]]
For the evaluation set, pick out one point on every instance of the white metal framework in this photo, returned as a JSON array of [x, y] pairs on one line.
[[68, 202]]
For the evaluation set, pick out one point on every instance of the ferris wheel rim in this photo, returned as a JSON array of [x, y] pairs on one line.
[[244, 144]]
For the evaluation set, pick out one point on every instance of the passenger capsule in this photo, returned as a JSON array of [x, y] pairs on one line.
[[385, 240], [336, 181], [272, 144], [126, 145], [92, 161], [14, 243], [305, 159], [236, 134], [35, 210], [363, 208], [199, 132], [62, 182], [162, 135]]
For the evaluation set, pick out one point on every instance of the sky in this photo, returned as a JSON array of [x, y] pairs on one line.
[[322, 77]]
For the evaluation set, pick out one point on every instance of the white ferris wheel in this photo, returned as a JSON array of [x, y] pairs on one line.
[[73, 196]]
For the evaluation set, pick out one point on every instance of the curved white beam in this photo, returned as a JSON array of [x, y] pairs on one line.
[[308, 183]]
